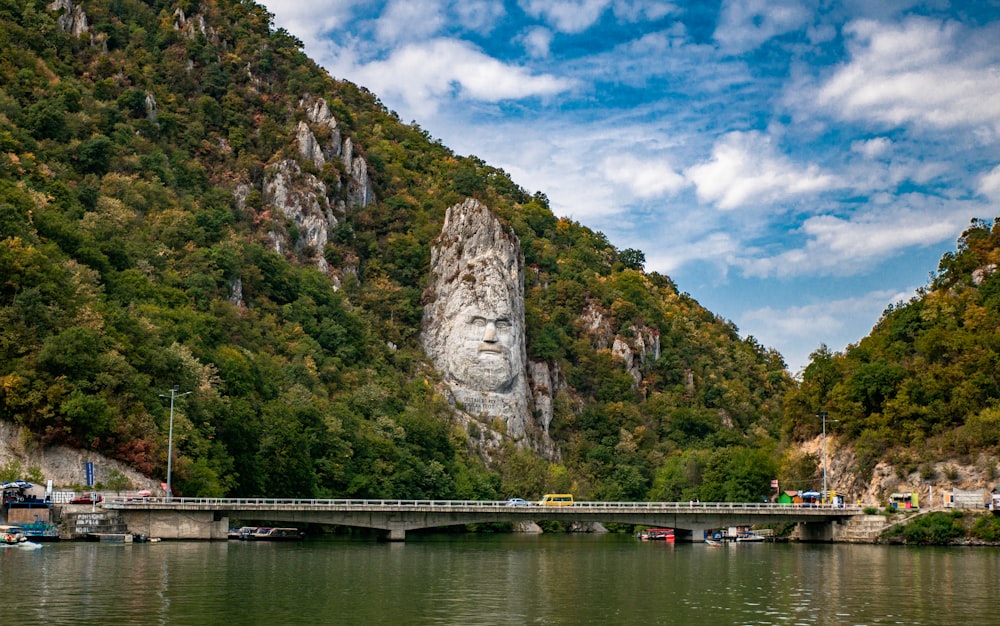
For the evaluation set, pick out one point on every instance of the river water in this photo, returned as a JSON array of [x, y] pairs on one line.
[[497, 579]]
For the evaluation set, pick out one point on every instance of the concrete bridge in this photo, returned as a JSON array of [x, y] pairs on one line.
[[208, 518]]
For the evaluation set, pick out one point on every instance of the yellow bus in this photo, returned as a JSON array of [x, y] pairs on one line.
[[556, 499]]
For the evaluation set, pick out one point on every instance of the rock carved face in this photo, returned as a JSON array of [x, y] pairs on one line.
[[479, 346]]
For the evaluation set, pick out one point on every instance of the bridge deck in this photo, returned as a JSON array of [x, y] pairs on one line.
[[473, 506], [396, 517]]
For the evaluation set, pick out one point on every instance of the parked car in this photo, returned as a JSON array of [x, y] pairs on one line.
[[518, 502], [86, 498]]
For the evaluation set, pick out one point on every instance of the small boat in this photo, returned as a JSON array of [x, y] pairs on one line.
[[243, 532], [656, 534], [713, 543], [277, 534], [12, 536], [748, 536]]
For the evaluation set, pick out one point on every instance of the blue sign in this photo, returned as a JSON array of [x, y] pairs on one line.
[[90, 473]]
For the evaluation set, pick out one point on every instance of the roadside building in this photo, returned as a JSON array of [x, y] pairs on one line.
[[962, 499]]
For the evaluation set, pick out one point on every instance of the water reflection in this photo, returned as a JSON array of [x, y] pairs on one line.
[[501, 579]]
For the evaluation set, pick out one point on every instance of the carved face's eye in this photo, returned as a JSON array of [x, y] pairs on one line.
[[478, 321], [502, 323]]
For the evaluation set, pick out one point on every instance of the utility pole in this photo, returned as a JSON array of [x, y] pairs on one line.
[[170, 437], [823, 415]]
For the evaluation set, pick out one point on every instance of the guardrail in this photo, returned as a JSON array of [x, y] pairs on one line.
[[759, 507]]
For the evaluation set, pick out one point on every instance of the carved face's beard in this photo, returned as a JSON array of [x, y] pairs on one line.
[[490, 372]]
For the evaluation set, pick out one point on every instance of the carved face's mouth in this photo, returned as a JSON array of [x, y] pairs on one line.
[[494, 348]]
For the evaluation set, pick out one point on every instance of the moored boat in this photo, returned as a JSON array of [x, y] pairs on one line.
[[656, 534], [243, 532], [278, 534]]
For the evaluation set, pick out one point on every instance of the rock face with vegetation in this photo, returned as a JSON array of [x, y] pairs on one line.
[[473, 321], [187, 199]]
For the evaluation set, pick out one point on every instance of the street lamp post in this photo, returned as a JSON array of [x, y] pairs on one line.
[[170, 436], [822, 415]]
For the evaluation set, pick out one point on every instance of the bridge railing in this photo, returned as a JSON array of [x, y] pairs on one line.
[[759, 507]]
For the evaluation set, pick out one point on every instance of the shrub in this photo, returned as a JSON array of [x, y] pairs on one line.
[[933, 528], [986, 528]]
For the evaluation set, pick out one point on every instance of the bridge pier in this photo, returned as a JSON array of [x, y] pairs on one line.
[[816, 532], [396, 534]]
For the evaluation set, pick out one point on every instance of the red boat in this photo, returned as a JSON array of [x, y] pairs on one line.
[[657, 534]]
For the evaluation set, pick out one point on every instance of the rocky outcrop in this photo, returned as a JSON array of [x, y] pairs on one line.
[[931, 481], [193, 26], [473, 323], [292, 189], [302, 198], [71, 18], [65, 467], [643, 345]]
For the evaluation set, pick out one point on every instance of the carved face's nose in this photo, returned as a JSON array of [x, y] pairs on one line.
[[490, 335]]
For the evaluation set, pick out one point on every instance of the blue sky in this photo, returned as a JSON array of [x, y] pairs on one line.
[[794, 165]]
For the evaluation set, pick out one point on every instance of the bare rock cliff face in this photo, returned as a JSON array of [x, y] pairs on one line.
[[473, 324], [71, 19], [63, 466], [292, 190], [931, 481]]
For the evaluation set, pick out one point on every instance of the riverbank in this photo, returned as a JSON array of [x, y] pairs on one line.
[[945, 528]]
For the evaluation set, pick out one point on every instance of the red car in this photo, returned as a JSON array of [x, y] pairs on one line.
[[86, 498]]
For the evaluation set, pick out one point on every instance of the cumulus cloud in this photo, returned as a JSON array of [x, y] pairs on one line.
[[845, 246], [745, 24], [537, 41], [566, 16], [310, 21], [646, 178], [479, 15], [919, 70], [409, 20], [421, 74], [745, 168], [989, 184], [872, 148]]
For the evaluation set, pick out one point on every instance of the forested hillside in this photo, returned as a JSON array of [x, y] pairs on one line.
[[924, 386], [140, 251]]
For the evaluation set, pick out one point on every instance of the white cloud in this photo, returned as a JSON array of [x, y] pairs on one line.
[[745, 24], [716, 248], [409, 20], [745, 168], [311, 16], [646, 178], [918, 71], [872, 148], [989, 184], [849, 246], [567, 16], [423, 73], [537, 41], [636, 10], [794, 330], [478, 15]]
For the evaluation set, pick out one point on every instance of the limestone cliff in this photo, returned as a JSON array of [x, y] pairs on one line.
[[473, 322], [292, 188], [931, 481]]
